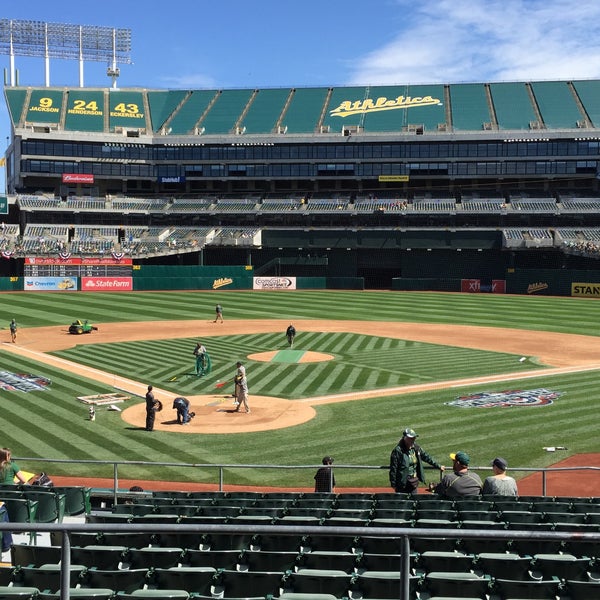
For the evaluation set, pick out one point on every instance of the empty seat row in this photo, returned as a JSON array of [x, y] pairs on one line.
[[205, 582]]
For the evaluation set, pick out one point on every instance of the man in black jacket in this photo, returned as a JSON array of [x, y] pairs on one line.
[[406, 464]]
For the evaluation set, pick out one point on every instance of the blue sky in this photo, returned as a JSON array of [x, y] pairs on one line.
[[278, 43]]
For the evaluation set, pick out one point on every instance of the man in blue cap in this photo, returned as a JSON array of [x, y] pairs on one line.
[[461, 482], [406, 464]]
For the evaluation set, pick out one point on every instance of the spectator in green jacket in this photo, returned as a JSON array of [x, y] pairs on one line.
[[406, 464]]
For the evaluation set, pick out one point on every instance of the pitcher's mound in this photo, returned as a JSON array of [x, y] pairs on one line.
[[217, 414], [291, 356]]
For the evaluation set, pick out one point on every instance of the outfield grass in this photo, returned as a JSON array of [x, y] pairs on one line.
[[52, 424]]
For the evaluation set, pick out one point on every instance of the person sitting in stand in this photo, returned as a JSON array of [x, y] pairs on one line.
[[461, 482]]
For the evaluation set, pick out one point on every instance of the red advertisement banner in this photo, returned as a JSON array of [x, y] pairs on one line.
[[77, 178], [470, 285], [107, 284], [54, 260]]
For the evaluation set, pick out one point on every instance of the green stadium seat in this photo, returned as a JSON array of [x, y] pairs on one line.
[[329, 543], [47, 577], [247, 584], [77, 499], [26, 593], [81, 594], [335, 561], [476, 546], [156, 594], [498, 564], [31, 555], [319, 581], [218, 559], [531, 589], [563, 566], [583, 590], [384, 562], [152, 557], [106, 517], [424, 544], [431, 560], [452, 583], [382, 584], [278, 542], [99, 557], [134, 509], [197, 579], [51, 505], [119, 580], [400, 514], [264, 560], [297, 596], [6, 574]]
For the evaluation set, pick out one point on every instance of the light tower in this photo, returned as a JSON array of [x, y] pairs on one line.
[[57, 40]]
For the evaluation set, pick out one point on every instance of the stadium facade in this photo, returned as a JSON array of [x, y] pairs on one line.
[[405, 187]]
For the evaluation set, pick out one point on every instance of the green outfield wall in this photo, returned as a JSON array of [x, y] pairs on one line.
[[554, 282], [191, 277]]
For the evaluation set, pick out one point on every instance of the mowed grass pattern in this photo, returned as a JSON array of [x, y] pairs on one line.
[[53, 424], [360, 363]]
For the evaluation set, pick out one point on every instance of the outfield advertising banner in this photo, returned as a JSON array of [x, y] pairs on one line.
[[50, 284], [107, 284], [273, 283], [585, 290], [472, 286]]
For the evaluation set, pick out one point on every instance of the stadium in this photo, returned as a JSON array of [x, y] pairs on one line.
[[351, 212]]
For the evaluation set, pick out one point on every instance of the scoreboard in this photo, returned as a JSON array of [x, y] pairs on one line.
[[77, 267]]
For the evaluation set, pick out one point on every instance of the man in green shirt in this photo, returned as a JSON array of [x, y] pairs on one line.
[[406, 464]]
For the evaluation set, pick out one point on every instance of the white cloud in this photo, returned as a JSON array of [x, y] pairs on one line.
[[487, 40], [190, 81]]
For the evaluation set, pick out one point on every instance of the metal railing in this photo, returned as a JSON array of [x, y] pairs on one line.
[[221, 469]]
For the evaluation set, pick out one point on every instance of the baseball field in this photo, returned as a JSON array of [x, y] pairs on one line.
[[487, 374]]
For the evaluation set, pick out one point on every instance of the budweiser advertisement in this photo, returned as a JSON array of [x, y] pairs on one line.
[[77, 178]]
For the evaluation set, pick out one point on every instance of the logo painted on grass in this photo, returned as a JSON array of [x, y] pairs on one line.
[[506, 398], [23, 382]]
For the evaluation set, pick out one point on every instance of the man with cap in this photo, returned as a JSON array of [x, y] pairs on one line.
[[500, 484], [461, 482], [406, 464], [324, 478]]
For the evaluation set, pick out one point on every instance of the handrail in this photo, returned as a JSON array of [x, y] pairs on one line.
[[221, 467], [404, 533]]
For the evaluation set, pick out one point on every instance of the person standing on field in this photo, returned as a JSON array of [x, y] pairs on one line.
[[241, 388], [13, 331], [151, 408], [290, 333], [218, 313]]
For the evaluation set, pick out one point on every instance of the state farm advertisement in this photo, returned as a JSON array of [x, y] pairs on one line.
[[107, 284]]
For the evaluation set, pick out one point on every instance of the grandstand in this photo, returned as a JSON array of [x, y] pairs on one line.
[[293, 545], [429, 167]]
